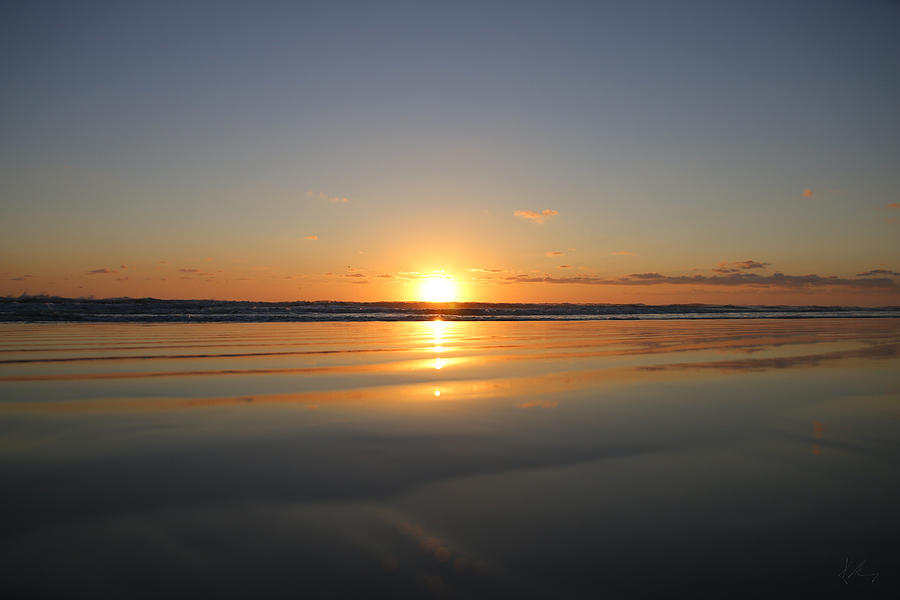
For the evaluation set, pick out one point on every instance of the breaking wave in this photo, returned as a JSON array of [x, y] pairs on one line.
[[52, 308]]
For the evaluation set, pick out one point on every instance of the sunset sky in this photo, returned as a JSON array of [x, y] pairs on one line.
[[628, 151]]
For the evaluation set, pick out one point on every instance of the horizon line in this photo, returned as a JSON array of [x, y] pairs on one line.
[[91, 298]]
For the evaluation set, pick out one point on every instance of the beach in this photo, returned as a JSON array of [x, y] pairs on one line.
[[450, 459]]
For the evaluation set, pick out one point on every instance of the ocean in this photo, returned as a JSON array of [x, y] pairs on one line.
[[49, 308]]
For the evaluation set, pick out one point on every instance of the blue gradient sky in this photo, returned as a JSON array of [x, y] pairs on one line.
[[199, 144]]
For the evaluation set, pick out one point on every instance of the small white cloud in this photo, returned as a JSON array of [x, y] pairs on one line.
[[536, 217]]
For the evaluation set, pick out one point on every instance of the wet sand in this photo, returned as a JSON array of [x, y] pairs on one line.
[[451, 459]]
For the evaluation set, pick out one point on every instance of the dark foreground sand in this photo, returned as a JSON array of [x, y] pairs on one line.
[[451, 459]]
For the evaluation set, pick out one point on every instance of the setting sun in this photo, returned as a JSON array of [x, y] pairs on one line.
[[438, 288]]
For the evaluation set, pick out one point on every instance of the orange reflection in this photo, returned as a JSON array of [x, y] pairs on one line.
[[437, 333], [819, 434], [394, 368], [541, 404]]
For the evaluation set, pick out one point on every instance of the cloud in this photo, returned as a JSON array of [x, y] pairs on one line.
[[311, 238], [536, 217], [121, 278], [894, 205], [878, 272], [565, 266], [189, 270], [103, 271], [555, 253], [386, 276], [123, 266], [807, 193], [353, 275], [483, 270], [751, 264], [736, 267], [777, 280], [623, 253], [329, 198], [163, 262]]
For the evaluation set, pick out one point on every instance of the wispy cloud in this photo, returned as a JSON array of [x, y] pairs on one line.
[[327, 197], [739, 266], [311, 238], [410, 275], [189, 270], [536, 217], [874, 272], [555, 253], [776, 280], [751, 264], [483, 270], [103, 271], [894, 205], [565, 266], [807, 193], [623, 253]]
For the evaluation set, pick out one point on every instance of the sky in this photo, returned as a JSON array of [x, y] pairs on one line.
[[605, 151]]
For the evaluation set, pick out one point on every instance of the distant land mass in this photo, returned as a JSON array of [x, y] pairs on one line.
[[113, 310]]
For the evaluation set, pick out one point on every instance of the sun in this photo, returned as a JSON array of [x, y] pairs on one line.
[[438, 288]]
